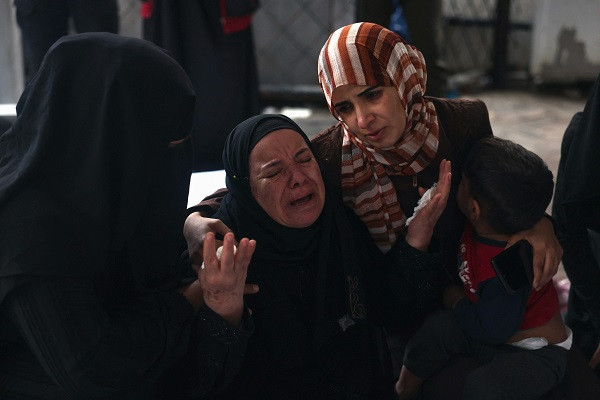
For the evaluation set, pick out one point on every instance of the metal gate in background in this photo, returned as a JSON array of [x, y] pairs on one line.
[[288, 37], [472, 29], [290, 33]]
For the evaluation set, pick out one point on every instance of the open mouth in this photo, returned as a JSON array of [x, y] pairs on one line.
[[302, 200]]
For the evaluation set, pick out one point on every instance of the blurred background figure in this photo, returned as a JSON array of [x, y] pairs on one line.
[[213, 42], [43, 22], [424, 21]]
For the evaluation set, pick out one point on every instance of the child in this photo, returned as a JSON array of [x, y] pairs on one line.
[[520, 339]]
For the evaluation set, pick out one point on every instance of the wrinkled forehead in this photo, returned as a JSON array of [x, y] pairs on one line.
[[278, 145]]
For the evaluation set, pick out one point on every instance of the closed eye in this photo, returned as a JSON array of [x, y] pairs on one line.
[[272, 174], [343, 108], [304, 155]]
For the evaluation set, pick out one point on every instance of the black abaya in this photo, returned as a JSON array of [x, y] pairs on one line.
[[321, 293], [94, 176]]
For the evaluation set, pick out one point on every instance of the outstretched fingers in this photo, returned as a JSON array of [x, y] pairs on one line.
[[228, 253], [437, 204], [211, 263], [445, 178], [244, 254]]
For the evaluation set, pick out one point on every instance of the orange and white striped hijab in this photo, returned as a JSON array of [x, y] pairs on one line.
[[369, 54]]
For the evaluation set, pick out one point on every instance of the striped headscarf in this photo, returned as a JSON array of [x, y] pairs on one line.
[[371, 55]]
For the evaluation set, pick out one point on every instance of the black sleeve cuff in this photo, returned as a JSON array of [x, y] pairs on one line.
[[217, 328], [418, 260]]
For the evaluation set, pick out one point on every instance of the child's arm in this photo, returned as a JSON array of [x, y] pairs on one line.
[[496, 316]]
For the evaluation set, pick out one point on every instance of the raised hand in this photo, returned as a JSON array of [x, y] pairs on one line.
[[420, 229], [223, 281]]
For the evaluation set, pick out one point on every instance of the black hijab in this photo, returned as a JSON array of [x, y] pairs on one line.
[[239, 209], [90, 179], [328, 243]]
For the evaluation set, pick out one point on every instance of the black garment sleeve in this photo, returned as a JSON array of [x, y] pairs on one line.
[[219, 351], [90, 353], [210, 204], [416, 280], [497, 314]]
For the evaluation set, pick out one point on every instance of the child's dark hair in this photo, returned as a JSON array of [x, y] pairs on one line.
[[512, 185]]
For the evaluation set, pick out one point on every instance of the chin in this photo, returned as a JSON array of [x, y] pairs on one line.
[[304, 221]]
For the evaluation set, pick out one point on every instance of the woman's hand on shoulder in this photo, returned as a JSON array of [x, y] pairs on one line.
[[547, 251], [223, 281], [195, 229], [420, 229]]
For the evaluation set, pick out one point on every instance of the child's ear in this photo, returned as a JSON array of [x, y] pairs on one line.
[[475, 210]]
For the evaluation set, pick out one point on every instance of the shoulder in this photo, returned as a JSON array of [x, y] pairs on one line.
[[458, 105], [328, 140], [463, 115], [462, 122], [327, 146]]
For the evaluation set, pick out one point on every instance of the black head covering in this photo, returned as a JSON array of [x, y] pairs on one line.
[[328, 243], [89, 177], [242, 213]]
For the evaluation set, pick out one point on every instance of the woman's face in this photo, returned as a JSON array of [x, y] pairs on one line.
[[373, 113], [285, 179]]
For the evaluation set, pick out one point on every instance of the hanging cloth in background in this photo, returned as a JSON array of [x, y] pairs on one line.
[[398, 22]]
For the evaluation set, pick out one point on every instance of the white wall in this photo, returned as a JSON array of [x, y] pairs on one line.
[[11, 61], [580, 58]]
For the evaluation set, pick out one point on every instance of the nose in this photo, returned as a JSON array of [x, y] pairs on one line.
[[364, 117], [296, 177]]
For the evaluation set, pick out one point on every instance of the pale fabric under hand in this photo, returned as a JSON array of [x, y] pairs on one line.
[[423, 201]]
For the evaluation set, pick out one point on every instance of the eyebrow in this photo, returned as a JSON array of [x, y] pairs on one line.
[[271, 164], [367, 90], [276, 163]]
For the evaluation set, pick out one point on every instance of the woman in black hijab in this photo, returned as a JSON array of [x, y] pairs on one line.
[[314, 314], [94, 177]]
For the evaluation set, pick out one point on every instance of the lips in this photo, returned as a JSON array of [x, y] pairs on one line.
[[302, 200], [376, 135]]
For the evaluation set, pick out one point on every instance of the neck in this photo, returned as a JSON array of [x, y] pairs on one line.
[[485, 231]]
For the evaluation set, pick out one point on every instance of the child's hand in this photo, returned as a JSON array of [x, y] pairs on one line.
[[452, 294]]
